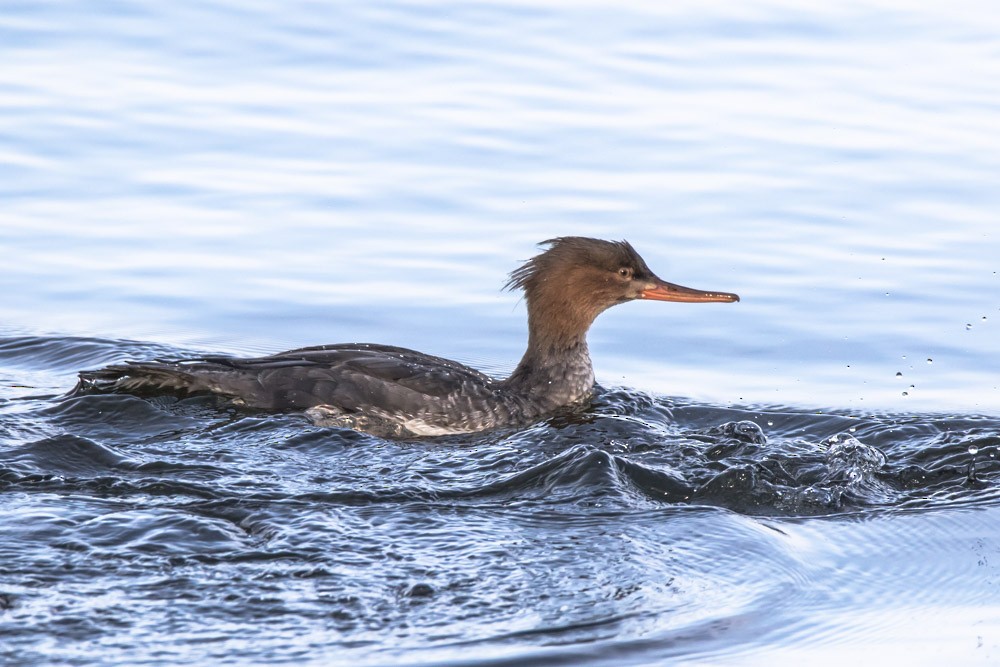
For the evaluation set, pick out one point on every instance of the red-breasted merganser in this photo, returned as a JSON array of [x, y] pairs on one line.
[[396, 392]]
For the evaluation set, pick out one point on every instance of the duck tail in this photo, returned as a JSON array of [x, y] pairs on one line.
[[137, 377]]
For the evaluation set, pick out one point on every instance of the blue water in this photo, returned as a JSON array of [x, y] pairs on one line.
[[788, 479]]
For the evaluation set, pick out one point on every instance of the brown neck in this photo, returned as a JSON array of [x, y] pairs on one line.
[[556, 321], [557, 361]]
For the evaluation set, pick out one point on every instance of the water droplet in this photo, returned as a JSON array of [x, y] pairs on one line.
[[973, 449], [770, 423], [906, 393], [899, 374], [968, 326], [929, 360]]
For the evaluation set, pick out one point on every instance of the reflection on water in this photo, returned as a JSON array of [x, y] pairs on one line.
[[250, 178]]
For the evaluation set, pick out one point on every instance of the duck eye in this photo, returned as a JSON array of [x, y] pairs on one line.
[[625, 272]]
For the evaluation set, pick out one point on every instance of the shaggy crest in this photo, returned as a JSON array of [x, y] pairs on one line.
[[576, 250]]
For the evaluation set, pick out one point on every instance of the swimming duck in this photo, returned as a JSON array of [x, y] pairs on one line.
[[397, 392]]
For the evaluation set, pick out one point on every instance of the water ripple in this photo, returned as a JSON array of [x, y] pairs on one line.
[[643, 526]]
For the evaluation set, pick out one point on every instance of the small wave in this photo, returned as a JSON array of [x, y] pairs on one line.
[[71, 353], [587, 473], [105, 416], [64, 454], [159, 531]]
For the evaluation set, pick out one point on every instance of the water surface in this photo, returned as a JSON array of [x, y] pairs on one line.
[[807, 475]]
